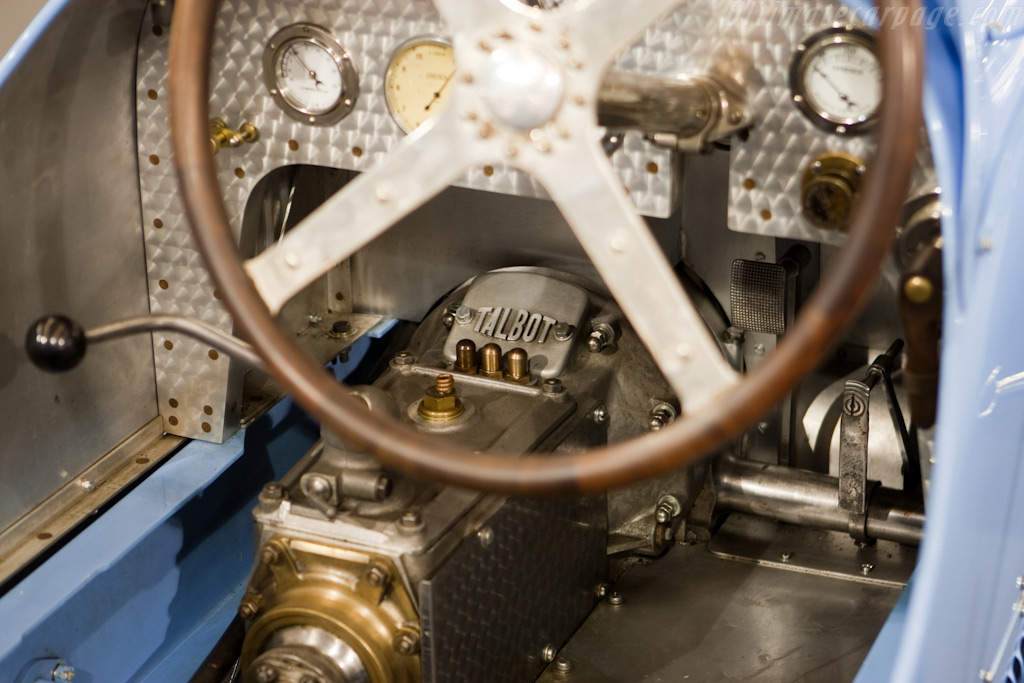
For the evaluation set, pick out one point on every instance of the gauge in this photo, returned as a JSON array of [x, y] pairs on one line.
[[309, 75], [836, 79], [418, 81]]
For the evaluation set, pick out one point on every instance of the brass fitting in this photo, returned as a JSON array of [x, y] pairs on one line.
[[222, 136], [517, 367], [490, 361], [440, 402], [465, 357]]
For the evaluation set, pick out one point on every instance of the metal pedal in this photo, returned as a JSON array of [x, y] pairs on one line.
[[757, 296]]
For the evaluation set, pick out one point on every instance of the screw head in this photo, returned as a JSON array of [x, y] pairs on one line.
[[759, 349], [315, 318], [562, 664], [616, 598], [549, 652], [87, 484], [786, 556], [866, 568], [485, 536], [663, 515], [600, 415]]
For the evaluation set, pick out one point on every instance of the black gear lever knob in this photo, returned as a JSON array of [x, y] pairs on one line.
[[55, 343]]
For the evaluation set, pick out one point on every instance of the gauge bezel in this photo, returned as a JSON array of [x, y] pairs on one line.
[[412, 42], [325, 40], [806, 51]]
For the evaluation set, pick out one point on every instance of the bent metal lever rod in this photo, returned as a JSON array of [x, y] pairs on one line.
[[56, 343]]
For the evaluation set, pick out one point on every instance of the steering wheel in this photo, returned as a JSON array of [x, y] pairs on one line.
[[525, 95]]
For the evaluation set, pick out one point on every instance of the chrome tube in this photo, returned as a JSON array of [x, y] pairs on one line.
[[811, 499]]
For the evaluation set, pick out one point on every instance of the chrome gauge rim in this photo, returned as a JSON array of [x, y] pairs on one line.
[[807, 52], [324, 40]]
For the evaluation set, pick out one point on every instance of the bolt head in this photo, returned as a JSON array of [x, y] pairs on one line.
[[600, 415], [87, 484], [273, 489], [553, 386], [616, 598], [464, 315], [602, 589], [411, 519], [663, 516], [376, 577], [549, 652], [404, 358], [866, 568], [786, 556], [563, 331], [486, 536], [265, 673], [562, 664], [759, 349], [406, 642], [341, 327]]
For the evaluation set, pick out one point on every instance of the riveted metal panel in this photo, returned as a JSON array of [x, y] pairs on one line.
[[191, 384], [526, 580]]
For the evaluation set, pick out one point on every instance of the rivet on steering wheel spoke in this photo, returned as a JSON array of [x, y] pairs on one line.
[[684, 350], [384, 192], [619, 242], [292, 259]]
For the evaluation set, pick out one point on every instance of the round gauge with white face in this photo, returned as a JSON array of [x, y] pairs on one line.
[[836, 79], [309, 75], [418, 81]]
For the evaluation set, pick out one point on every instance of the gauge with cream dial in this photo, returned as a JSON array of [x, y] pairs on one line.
[[836, 80], [309, 75], [418, 81]]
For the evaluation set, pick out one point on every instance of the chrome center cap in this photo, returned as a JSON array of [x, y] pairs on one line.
[[522, 86]]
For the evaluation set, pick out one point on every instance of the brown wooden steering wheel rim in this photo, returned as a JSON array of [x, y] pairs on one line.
[[840, 296]]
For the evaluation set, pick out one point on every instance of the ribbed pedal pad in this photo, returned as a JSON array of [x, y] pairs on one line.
[[757, 296]]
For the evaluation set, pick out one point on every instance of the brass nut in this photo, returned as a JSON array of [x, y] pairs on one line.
[[438, 406]]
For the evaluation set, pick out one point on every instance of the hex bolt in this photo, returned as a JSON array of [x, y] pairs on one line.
[[273, 489], [411, 520], [341, 327], [248, 607], [270, 554], [600, 415], [563, 665], [464, 315], [404, 358], [563, 331], [549, 652], [616, 598], [600, 338], [866, 568], [376, 576], [266, 673], [406, 642], [553, 386]]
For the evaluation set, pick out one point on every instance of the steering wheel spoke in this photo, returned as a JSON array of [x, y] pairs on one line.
[[423, 165], [602, 29], [462, 16], [586, 189]]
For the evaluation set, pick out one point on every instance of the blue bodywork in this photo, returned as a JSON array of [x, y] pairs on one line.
[[123, 599]]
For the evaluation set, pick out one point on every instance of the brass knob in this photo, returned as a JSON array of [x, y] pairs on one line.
[[829, 189], [465, 357], [222, 136]]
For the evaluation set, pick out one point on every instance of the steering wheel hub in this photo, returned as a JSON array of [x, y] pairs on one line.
[[522, 86]]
